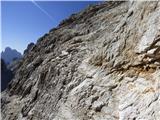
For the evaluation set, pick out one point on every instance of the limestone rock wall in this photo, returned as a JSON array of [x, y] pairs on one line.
[[100, 64]]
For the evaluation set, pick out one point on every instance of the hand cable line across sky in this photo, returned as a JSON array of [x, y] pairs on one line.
[[44, 11]]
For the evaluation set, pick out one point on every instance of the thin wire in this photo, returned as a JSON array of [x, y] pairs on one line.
[[44, 11]]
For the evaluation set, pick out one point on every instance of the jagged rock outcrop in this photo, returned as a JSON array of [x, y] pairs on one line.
[[100, 64], [29, 47]]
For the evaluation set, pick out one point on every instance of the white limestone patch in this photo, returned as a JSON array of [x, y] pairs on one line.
[[148, 37]]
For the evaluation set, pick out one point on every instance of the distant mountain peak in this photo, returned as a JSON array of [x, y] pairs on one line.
[[8, 49], [9, 54]]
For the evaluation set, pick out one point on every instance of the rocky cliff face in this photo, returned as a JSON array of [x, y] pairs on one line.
[[100, 64]]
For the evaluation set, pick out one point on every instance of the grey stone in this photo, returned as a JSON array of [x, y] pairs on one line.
[[99, 64]]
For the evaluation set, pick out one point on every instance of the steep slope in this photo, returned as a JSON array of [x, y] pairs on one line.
[[100, 64]]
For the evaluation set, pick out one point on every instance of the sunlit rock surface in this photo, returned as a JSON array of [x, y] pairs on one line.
[[100, 64]]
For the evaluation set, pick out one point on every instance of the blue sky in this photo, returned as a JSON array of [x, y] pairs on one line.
[[24, 22]]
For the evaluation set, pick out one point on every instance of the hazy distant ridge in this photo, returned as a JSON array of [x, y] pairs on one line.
[[9, 54]]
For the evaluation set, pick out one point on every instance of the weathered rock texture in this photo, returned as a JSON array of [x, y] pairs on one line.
[[100, 64]]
